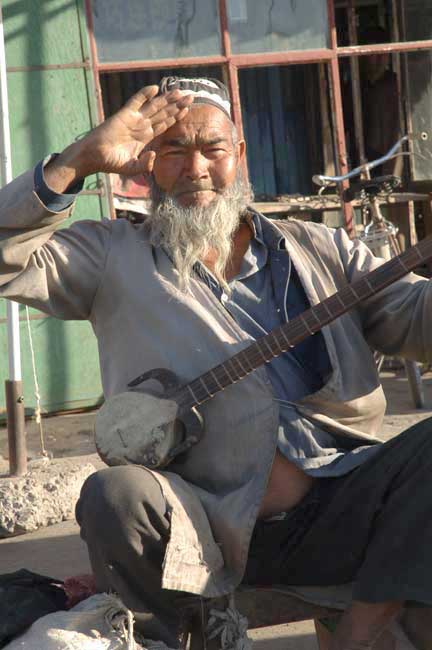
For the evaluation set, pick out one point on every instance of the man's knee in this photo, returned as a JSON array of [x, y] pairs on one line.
[[119, 497]]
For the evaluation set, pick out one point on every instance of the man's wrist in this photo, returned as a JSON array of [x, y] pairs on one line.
[[52, 200], [67, 169]]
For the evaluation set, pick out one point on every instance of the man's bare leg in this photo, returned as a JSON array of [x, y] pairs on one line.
[[363, 623]]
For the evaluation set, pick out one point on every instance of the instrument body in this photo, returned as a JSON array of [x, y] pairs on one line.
[[141, 428]]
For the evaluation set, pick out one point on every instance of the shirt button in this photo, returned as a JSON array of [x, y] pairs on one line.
[[224, 297]]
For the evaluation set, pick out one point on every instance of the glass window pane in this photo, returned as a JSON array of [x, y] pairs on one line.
[[418, 20], [372, 110], [376, 23], [277, 25], [388, 114], [155, 29]]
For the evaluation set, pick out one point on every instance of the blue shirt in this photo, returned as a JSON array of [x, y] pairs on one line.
[[254, 306]]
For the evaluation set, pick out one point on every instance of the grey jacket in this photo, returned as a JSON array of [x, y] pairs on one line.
[[108, 273]]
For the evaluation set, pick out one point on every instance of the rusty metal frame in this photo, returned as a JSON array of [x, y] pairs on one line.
[[232, 73], [94, 59], [98, 91], [233, 62], [356, 86], [146, 64], [381, 48], [339, 126], [50, 66], [239, 60]]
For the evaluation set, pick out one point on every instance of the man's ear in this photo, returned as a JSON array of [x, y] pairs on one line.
[[241, 150]]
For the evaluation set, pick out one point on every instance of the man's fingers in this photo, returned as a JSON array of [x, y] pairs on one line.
[[162, 102], [158, 103], [162, 125], [172, 110], [163, 121], [184, 102], [141, 165], [142, 97]]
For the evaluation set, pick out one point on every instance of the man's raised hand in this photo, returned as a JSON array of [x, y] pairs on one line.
[[118, 144]]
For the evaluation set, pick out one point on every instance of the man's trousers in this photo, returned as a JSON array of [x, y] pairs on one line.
[[372, 527]]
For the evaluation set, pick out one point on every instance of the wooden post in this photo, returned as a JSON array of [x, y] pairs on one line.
[[336, 103]]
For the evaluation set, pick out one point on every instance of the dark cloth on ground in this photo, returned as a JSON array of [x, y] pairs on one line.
[[372, 526], [25, 597]]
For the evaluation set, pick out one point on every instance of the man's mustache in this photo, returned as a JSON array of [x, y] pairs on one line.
[[195, 187]]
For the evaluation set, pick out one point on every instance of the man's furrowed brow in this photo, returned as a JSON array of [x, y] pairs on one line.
[[190, 141], [212, 141]]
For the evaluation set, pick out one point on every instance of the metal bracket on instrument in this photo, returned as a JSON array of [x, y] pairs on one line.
[[167, 378], [191, 438]]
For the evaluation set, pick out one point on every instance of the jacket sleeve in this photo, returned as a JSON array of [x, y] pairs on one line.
[[57, 272], [398, 319]]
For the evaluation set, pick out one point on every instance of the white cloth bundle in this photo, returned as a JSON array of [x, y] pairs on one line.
[[100, 622]]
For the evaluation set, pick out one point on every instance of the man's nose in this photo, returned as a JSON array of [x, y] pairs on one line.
[[196, 166]]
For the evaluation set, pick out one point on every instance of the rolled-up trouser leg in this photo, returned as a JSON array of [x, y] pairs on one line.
[[124, 521]]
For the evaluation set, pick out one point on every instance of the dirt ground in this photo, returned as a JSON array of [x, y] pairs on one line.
[[72, 434]]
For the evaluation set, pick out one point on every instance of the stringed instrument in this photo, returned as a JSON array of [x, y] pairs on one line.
[[150, 430]]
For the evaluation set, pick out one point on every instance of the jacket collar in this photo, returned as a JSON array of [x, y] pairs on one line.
[[265, 230]]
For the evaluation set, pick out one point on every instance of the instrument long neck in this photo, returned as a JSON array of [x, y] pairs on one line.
[[292, 333]]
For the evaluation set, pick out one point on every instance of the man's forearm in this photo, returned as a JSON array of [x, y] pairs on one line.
[[66, 169]]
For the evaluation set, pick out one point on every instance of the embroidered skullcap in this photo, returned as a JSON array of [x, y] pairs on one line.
[[204, 91]]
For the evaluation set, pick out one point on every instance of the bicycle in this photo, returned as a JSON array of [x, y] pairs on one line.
[[380, 234]]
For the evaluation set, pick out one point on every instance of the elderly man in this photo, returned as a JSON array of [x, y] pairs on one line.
[[289, 485]]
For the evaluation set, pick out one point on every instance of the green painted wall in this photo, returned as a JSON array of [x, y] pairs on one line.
[[48, 109]]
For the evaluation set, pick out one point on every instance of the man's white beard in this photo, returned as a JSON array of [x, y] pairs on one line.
[[189, 233]]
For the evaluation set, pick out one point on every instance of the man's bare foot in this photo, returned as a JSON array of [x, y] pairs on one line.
[[362, 624]]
